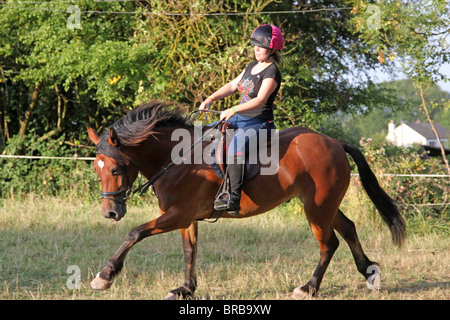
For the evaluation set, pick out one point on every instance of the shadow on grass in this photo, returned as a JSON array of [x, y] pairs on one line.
[[419, 286], [262, 257], [35, 258]]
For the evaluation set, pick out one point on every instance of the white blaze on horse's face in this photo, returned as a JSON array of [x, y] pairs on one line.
[[100, 164]]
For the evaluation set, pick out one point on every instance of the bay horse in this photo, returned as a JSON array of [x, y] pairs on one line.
[[312, 167]]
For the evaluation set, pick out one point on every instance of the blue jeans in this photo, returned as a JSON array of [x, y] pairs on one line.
[[247, 136]]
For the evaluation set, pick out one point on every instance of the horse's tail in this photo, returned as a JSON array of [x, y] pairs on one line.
[[386, 205]]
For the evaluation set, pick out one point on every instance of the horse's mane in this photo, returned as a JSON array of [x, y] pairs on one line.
[[143, 121]]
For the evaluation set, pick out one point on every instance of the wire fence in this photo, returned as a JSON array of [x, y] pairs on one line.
[[75, 157], [13, 5]]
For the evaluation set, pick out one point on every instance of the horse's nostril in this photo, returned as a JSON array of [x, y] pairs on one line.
[[112, 215]]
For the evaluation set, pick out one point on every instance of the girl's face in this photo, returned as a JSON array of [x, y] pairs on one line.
[[261, 54]]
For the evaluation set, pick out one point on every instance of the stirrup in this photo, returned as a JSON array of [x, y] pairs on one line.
[[222, 201], [224, 204]]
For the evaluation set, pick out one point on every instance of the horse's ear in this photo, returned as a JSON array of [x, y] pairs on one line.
[[113, 139], [93, 135]]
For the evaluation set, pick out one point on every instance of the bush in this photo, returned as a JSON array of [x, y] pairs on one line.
[[418, 197], [69, 178]]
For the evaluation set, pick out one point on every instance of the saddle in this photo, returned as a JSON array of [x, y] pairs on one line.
[[219, 155]]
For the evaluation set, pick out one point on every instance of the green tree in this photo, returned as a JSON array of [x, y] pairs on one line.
[[59, 75], [414, 32], [326, 65]]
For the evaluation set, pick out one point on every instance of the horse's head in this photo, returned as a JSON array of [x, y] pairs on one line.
[[117, 174]]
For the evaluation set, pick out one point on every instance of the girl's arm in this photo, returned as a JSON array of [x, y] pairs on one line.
[[228, 89], [268, 86]]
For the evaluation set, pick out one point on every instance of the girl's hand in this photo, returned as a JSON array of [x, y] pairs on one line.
[[206, 104], [227, 114]]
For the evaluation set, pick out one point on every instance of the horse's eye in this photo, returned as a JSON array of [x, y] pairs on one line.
[[116, 172]]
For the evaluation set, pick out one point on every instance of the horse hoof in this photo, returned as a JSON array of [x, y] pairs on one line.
[[171, 296], [300, 294], [100, 284]]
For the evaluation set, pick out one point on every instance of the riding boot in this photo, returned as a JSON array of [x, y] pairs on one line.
[[231, 204], [236, 174]]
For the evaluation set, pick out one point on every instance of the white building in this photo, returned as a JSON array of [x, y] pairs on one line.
[[408, 134]]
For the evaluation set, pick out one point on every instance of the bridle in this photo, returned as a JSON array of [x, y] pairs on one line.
[[123, 194]]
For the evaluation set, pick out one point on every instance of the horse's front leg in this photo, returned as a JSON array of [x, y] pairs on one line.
[[165, 223], [189, 237]]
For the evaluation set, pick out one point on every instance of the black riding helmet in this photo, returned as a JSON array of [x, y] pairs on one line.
[[267, 36]]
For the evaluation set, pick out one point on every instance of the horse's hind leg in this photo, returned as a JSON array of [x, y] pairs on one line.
[[347, 230], [189, 237], [324, 233]]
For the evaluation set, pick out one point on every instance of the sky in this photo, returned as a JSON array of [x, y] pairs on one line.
[[445, 69]]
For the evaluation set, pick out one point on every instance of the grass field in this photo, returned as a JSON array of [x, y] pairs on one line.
[[263, 257]]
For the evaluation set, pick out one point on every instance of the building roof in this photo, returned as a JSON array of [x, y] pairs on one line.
[[424, 129]]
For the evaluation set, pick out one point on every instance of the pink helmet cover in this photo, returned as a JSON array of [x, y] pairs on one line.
[[268, 36], [277, 41]]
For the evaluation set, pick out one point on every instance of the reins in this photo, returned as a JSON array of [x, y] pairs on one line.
[[142, 189], [122, 194]]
